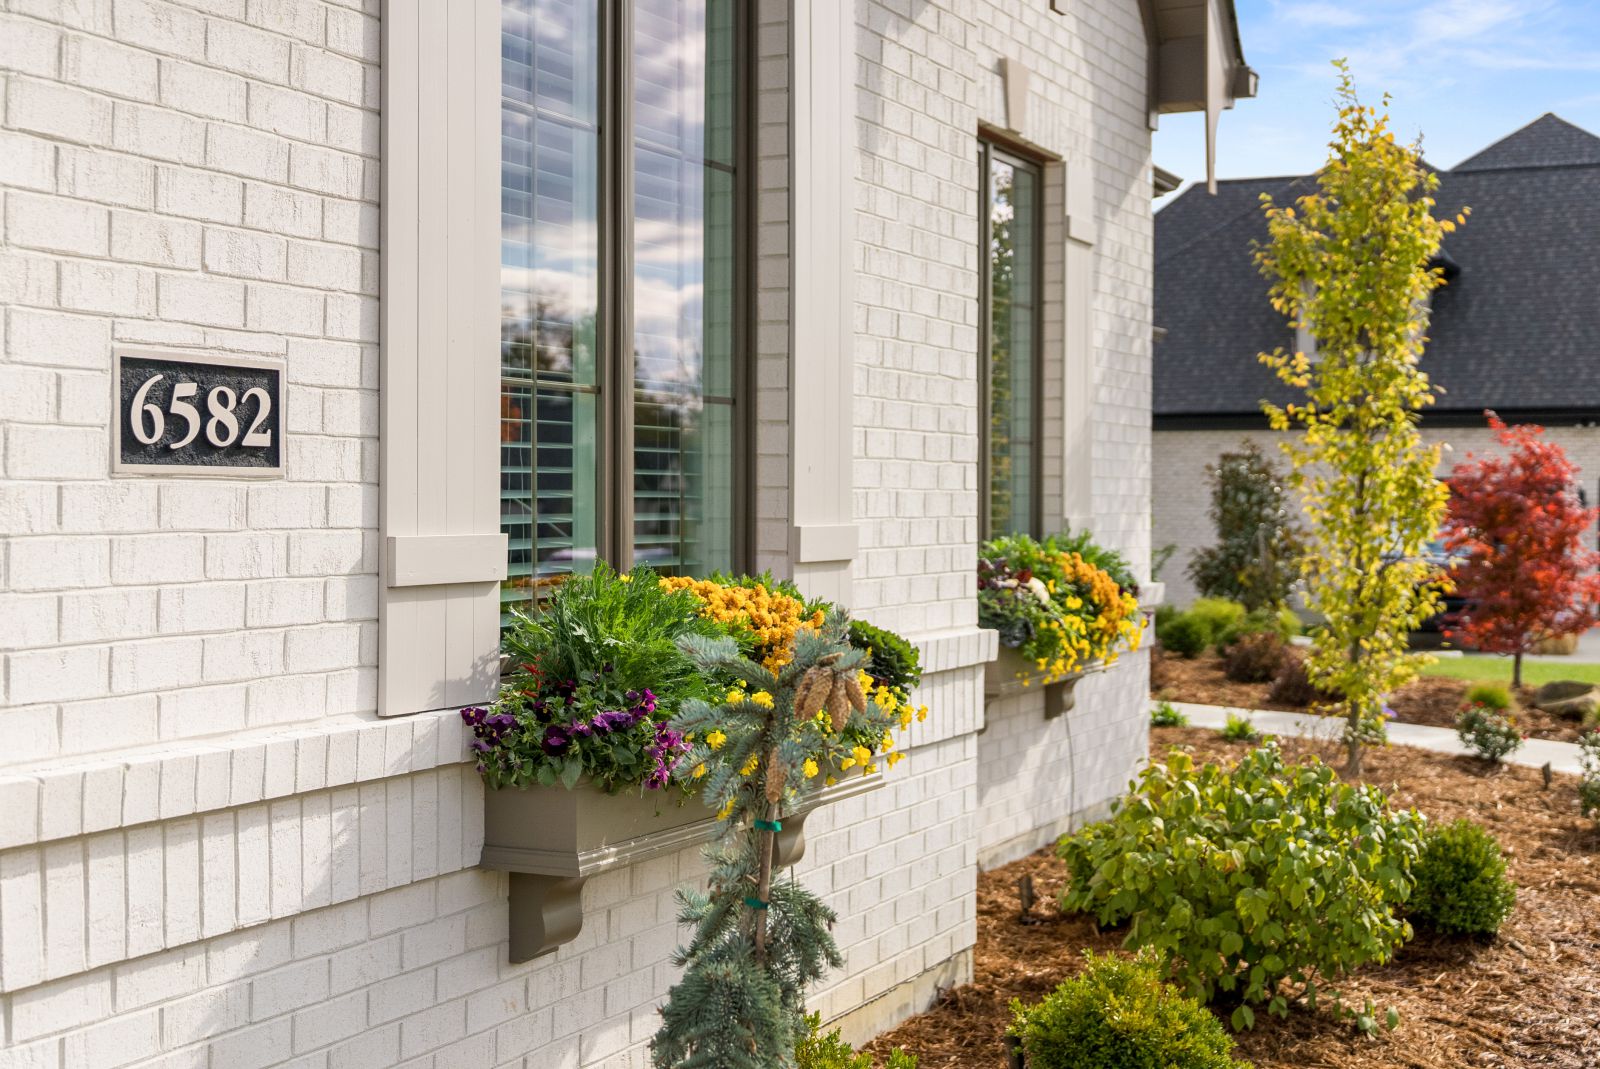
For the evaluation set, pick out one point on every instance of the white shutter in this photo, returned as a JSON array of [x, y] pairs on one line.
[[443, 551]]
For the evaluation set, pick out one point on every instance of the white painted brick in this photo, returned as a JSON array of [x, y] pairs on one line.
[[182, 905], [326, 552], [203, 91], [83, 397], [217, 869], [324, 363], [58, 111], [31, 734], [102, 797], [242, 655], [102, 65], [19, 813], [285, 602], [325, 171], [116, 1042], [108, 177], [27, 394], [160, 27], [350, 223], [287, 505], [333, 267], [155, 665], [247, 152], [203, 607], [108, 507], [216, 198], [248, 51], [158, 558], [170, 975], [63, 1004], [201, 506], [27, 162], [201, 299], [64, 878], [292, 18], [246, 556], [159, 133], [288, 698], [107, 899], [281, 309], [59, 563], [282, 211], [29, 47], [322, 649], [62, 340], [55, 225], [203, 711], [42, 452], [108, 724], [118, 289]]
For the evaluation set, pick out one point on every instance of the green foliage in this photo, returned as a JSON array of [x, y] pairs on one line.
[[1589, 780], [1118, 1014], [1462, 887], [1254, 658], [892, 661], [1217, 616], [818, 1051], [1166, 715], [1238, 728], [1110, 561], [1184, 635], [1250, 879], [1257, 555], [1490, 734], [1350, 265], [1282, 623], [1496, 696], [1293, 686], [1166, 613]]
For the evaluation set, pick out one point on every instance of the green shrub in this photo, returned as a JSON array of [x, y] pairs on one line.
[[1462, 887], [1259, 622], [818, 1051], [1254, 658], [1166, 715], [1486, 732], [1495, 696], [1589, 780], [1256, 556], [1250, 877], [1166, 613], [894, 662], [1117, 1014], [1239, 729], [1217, 615], [1183, 635]]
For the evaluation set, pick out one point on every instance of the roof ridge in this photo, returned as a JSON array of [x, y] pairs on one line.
[[1525, 136], [1228, 219]]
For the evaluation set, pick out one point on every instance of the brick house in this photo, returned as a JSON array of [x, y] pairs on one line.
[[1513, 329], [237, 824]]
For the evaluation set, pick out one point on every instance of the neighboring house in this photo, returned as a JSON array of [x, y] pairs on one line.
[[1516, 327], [693, 282]]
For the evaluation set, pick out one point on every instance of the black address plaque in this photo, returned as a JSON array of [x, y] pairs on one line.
[[197, 414]]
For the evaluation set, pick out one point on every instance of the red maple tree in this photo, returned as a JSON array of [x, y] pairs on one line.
[[1516, 520]]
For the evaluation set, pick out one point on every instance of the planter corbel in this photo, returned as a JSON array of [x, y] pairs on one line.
[[1011, 673], [553, 841]]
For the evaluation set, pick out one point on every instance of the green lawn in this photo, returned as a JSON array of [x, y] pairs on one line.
[[1479, 667]]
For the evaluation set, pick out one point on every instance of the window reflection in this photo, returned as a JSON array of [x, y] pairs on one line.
[[1013, 358]]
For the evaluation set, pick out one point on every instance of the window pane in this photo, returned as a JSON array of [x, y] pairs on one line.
[[1013, 345], [549, 286], [683, 283]]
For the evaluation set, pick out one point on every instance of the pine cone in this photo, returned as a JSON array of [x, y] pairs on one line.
[[858, 697], [776, 775], [812, 693], [839, 706]]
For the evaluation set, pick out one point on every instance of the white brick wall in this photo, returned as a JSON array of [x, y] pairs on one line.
[[171, 178], [211, 853]]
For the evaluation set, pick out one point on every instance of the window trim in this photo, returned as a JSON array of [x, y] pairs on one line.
[[990, 147]]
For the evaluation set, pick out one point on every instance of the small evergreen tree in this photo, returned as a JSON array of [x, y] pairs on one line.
[[1257, 555], [1351, 265], [1527, 575]]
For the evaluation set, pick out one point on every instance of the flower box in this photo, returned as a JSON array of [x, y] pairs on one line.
[[552, 841], [1011, 674]]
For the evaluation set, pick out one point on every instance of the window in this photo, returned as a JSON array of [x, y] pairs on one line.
[[619, 208], [1009, 323]]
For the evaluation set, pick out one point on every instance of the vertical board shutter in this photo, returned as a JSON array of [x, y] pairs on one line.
[[444, 554]]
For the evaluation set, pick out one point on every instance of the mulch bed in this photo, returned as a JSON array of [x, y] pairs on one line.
[[1530, 997], [1431, 700]]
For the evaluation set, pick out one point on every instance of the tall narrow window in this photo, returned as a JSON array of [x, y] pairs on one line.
[[619, 181], [1009, 260]]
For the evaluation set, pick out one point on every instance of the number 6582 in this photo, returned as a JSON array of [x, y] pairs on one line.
[[220, 423]]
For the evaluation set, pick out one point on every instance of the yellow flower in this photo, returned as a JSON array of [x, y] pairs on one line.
[[715, 739], [762, 698], [625, 577], [735, 696], [700, 769], [848, 762], [810, 769], [750, 765], [888, 742], [861, 754], [722, 814], [869, 770], [895, 759], [829, 782], [922, 713]]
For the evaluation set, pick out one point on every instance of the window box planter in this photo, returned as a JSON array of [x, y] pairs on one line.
[[552, 841], [1011, 673]]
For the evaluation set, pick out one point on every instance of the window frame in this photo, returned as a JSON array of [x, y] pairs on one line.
[[614, 387], [991, 147]]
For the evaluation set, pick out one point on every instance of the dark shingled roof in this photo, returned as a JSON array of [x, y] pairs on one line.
[[1517, 328]]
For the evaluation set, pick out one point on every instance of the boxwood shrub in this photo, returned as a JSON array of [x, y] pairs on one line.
[[1256, 883], [1183, 635], [1117, 1014], [1462, 887]]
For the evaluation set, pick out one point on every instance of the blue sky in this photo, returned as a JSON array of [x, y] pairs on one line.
[[1463, 73]]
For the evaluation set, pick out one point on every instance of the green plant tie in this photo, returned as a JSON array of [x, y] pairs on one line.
[[769, 825], [754, 903]]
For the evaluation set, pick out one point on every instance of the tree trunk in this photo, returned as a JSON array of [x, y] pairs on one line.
[[764, 847], [1516, 671]]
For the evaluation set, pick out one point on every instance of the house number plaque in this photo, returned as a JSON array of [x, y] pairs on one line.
[[197, 414]]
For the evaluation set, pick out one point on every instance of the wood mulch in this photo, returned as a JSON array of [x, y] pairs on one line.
[[1529, 997], [1431, 700]]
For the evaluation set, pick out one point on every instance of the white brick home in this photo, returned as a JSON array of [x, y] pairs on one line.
[[440, 240]]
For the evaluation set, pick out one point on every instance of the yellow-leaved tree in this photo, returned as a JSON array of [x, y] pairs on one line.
[[1352, 266]]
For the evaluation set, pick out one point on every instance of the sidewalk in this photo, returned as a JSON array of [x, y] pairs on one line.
[[1561, 756]]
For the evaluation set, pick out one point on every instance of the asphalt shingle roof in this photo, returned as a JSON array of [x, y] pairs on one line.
[[1516, 329]]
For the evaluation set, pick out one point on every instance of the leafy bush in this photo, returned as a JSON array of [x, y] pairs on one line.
[[818, 1051], [1293, 685], [1107, 560], [1239, 729], [1282, 623], [1462, 887], [1254, 658], [893, 662], [1118, 1014], [1488, 733], [1258, 545], [1495, 696], [1165, 613], [1166, 715], [1217, 615], [1589, 780], [1251, 878], [1183, 635]]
